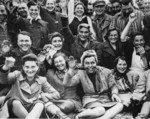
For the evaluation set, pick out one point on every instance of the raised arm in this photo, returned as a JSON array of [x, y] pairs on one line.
[[71, 77], [124, 33]]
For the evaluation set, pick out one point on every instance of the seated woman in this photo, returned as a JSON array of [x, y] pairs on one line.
[[126, 83], [98, 85], [111, 49], [69, 101], [23, 97], [136, 53]]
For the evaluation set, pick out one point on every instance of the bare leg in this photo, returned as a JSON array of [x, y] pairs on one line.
[[54, 110], [36, 111], [18, 109], [2, 98], [145, 108], [67, 106], [112, 111], [95, 112]]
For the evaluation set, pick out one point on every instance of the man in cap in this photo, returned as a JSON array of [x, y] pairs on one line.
[[102, 20]]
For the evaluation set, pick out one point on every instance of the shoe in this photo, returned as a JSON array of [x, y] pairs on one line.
[[61, 115]]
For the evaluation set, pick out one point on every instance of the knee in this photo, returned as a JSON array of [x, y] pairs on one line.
[[16, 103], [99, 111], [65, 109]]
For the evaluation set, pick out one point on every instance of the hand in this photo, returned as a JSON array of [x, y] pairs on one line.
[[9, 62], [141, 51], [132, 17], [41, 58], [115, 97], [56, 96], [72, 62], [47, 47]]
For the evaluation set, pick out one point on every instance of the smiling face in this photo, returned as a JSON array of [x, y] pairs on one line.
[[121, 66], [3, 13], [113, 37], [90, 64], [50, 5], [60, 63], [23, 10], [57, 43], [138, 41], [84, 34], [30, 68], [24, 42], [33, 12], [79, 10], [100, 8]]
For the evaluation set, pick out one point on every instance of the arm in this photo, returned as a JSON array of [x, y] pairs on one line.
[[126, 29], [48, 90]]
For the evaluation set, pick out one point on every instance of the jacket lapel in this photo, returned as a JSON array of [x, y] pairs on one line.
[[108, 49]]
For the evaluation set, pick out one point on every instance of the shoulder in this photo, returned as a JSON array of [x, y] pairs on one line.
[[104, 70]]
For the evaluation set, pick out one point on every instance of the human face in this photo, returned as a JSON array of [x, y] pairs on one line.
[[138, 41], [23, 10], [3, 13], [84, 33], [24, 42], [50, 5], [30, 68], [140, 3], [147, 5], [90, 64], [127, 10], [113, 37], [79, 10], [116, 7], [34, 12], [60, 63], [57, 43], [100, 8], [121, 66]]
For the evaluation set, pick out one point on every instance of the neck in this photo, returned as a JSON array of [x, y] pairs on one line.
[[101, 15], [30, 79]]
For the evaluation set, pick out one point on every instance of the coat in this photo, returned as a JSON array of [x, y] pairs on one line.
[[53, 19], [105, 85], [20, 88], [102, 27], [126, 86], [38, 30], [67, 93], [109, 55], [77, 49]]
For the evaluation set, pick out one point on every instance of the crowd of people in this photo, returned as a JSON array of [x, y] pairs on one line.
[[75, 59]]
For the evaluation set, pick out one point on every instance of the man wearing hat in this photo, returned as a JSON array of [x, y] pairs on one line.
[[101, 20]]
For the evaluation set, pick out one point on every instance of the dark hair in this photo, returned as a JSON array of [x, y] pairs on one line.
[[53, 35], [116, 62], [59, 54], [32, 4], [29, 57], [110, 30], [136, 34], [25, 33]]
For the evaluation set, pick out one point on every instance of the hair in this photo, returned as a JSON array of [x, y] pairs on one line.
[[83, 25], [116, 62], [44, 2], [110, 30], [31, 4], [57, 55], [55, 34], [136, 34], [29, 57], [80, 3], [26, 34]]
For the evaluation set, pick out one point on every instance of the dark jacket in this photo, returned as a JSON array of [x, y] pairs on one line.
[[77, 49], [101, 26], [38, 30], [109, 54], [53, 19]]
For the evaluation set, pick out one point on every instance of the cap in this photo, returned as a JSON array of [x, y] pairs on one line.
[[97, 2]]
